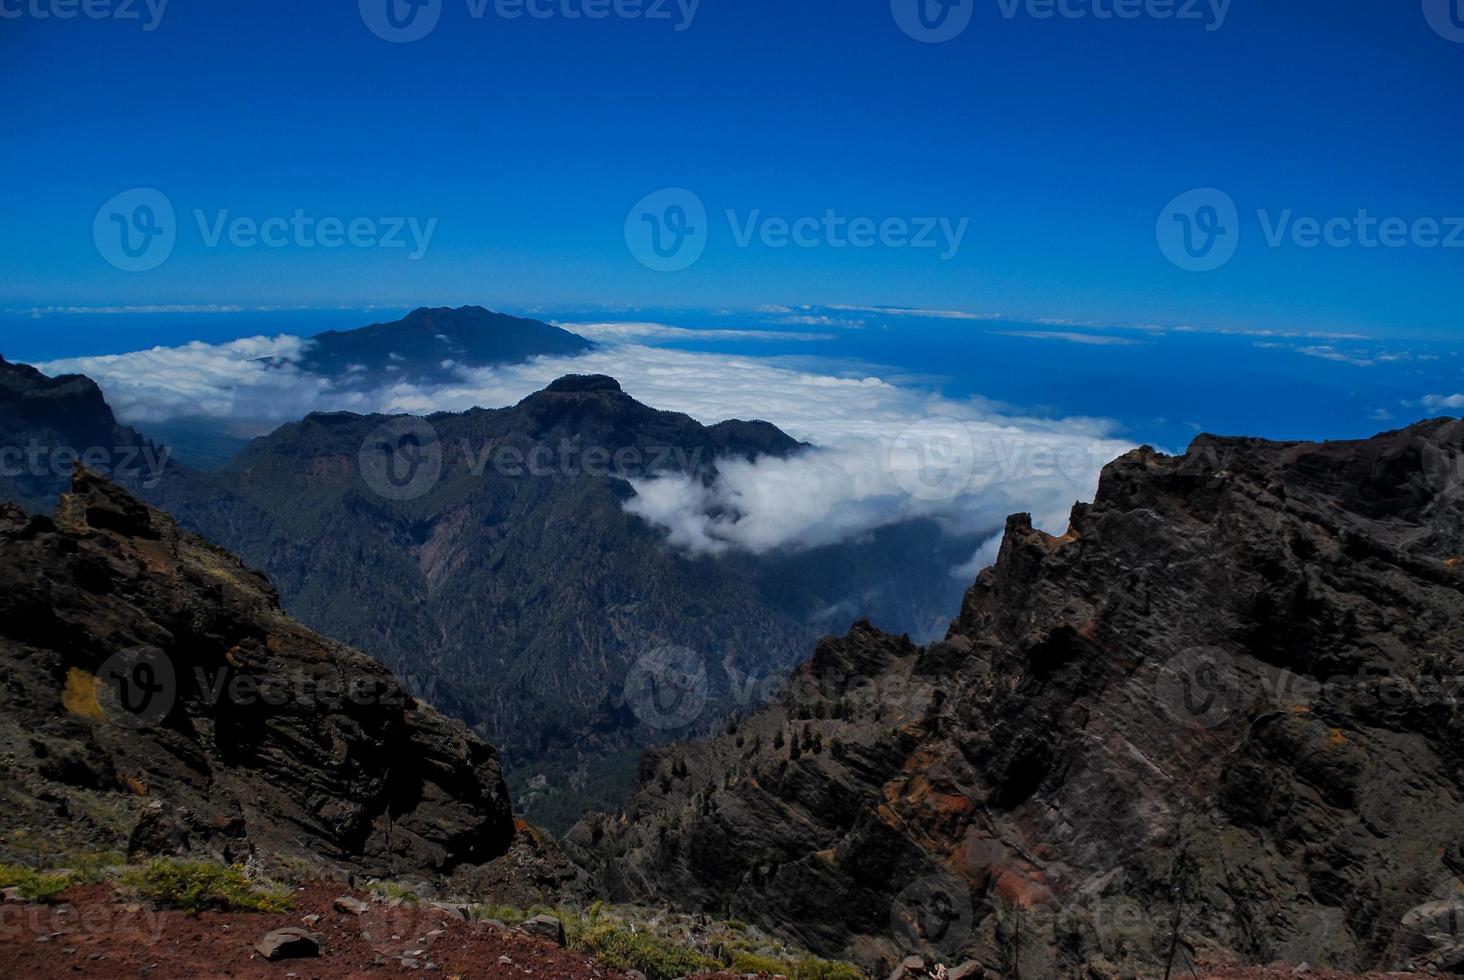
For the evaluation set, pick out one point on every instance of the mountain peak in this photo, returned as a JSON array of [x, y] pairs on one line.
[[430, 344], [584, 383]]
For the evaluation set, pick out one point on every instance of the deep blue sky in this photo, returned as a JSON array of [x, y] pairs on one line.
[[530, 141]]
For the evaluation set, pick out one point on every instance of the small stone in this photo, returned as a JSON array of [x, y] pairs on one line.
[[310, 920], [12, 894], [913, 966], [453, 909], [545, 927], [288, 944], [350, 906]]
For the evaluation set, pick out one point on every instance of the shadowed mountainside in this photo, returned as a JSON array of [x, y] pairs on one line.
[[488, 558], [157, 700], [1220, 713]]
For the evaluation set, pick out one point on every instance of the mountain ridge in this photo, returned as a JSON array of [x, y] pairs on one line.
[[1160, 731], [159, 697]]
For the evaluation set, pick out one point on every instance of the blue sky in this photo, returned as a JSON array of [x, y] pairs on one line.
[[1058, 141]]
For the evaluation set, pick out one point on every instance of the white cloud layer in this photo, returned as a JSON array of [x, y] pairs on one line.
[[1436, 402], [885, 453]]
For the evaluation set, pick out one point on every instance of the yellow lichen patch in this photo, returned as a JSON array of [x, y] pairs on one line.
[[1301, 709], [80, 696], [1454, 562], [827, 857], [1335, 738], [137, 785]]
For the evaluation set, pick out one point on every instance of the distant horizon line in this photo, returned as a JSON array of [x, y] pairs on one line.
[[974, 316]]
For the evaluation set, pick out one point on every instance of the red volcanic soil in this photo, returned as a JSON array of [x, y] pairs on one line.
[[93, 933], [1285, 972]]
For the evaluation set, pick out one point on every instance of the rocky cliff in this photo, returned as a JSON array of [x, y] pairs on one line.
[[1219, 715], [156, 699]]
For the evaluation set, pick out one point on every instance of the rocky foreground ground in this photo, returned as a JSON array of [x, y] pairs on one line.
[[93, 931]]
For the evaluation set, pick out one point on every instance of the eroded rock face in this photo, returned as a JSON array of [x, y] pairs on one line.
[[1222, 707], [156, 699]]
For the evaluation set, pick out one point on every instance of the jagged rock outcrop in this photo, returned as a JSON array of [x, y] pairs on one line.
[[156, 699], [1219, 713], [48, 424]]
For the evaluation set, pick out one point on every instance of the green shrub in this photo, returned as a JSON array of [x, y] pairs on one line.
[[622, 949], [753, 963], [506, 914], [194, 886], [393, 890], [811, 968], [92, 867], [801, 968], [37, 886]]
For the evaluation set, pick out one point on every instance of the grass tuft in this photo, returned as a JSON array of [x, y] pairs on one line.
[[195, 886]]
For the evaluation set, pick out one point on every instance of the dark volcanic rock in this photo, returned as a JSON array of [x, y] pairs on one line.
[[510, 586], [47, 424], [155, 694], [514, 590], [1220, 712]]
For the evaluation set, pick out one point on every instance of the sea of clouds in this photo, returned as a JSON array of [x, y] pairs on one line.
[[883, 453]]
